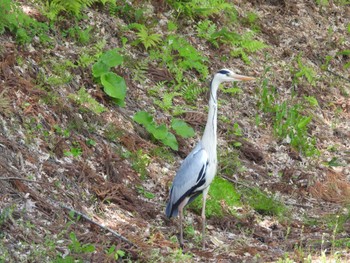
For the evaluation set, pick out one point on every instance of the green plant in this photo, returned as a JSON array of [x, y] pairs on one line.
[[222, 199], [145, 193], [288, 121], [263, 203], [84, 99], [291, 125], [5, 215], [139, 161], [74, 151], [115, 253], [77, 247], [179, 56], [145, 37], [81, 35], [304, 71], [182, 129], [21, 25], [159, 132], [53, 8], [198, 8], [243, 44], [311, 100], [113, 85]]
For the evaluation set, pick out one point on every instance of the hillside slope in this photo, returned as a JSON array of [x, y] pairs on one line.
[[81, 179]]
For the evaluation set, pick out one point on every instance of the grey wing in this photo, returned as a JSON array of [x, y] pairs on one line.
[[190, 177]]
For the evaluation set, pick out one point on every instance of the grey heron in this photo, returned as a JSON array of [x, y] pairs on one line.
[[198, 169]]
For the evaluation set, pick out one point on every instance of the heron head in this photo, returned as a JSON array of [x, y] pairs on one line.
[[226, 75]]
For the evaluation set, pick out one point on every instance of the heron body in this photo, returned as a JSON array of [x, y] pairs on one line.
[[198, 169]]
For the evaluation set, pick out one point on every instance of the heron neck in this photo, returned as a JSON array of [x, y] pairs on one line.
[[209, 136]]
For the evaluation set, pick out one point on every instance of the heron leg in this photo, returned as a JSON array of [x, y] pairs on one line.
[[181, 207], [205, 191]]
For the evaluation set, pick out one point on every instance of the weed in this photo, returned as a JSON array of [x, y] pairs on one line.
[[311, 100], [243, 44], [190, 232], [263, 203], [74, 151], [81, 35], [197, 8], [159, 132], [6, 214], [182, 129], [222, 197], [139, 162], [84, 98], [251, 19], [53, 8], [304, 71], [77, 247], [178, 55], [145, 193], [145, 37], [288, 121], [115, 253], [24, 28], [113, 85]]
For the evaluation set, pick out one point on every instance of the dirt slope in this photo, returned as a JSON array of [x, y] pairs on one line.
[[118, 166]]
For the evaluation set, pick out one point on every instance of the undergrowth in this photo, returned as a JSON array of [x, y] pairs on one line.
[[222, 199]]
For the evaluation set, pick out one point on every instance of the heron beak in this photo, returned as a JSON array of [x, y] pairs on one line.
[[241, 77]]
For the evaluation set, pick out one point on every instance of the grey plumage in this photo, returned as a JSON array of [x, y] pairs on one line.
[[199, 168], [185, 182]]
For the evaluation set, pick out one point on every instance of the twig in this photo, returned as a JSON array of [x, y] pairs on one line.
[[22, 179], [336, 74], [99, 225]]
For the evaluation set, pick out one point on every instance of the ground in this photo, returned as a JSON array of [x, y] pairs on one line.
[[81, 180]]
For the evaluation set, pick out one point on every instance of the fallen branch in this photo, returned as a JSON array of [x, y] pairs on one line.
[[22, 179], [117, 235]]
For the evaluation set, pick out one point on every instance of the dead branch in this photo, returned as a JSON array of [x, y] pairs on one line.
[[22, 179], [117, 235]]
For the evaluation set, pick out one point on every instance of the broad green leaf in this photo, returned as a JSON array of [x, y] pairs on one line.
[[99, 68], [112, 58], [182, 128], [160, 132], [143, 118], [114, 85], [171, 141]]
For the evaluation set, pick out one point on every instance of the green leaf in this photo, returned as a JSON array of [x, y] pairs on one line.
[[160, 132], [112, 58], [114, 85], [182, 128], [171, 141], [143, 118], [303, 122], [312, 100], [99, 68], [88, 248]]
